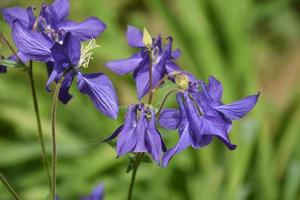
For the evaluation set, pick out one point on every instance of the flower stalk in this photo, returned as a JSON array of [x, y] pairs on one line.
[[9, 187], [38, 121], [53, 126]]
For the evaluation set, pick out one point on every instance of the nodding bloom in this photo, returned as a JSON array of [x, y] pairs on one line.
[[139, 133], [50, 26], [96, 194], [69, 58], [162, 57], [202, 116]]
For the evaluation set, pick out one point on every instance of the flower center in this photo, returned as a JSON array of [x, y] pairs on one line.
[[87, 52]]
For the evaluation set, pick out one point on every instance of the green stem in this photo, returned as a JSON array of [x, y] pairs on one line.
[[9, 187], [165, 99], [53, 125], [38, 121], [138, 160], [150, 77]]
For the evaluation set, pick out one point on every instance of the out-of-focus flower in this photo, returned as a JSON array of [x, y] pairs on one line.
[[161, 57], [96, 194], [139, 133]]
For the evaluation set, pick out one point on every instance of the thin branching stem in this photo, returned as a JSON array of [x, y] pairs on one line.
[[165, 99], [137, 162], [9, 187]]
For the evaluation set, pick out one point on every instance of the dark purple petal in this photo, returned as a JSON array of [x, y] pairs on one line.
[[135, 37], [86, 30], [115, 133], [56, 73], [96, 194], [215, 88], [61, 8], [125, 66], [68, 52], [169, 118], [101, 91], [183, 143], [3, 69], [16, 13], [238, 109], [33, 45], [64, 95]]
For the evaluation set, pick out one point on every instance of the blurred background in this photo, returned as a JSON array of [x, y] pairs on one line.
[[250, 45]]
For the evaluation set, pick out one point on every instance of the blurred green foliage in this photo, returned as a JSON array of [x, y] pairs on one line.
[[250, 45]]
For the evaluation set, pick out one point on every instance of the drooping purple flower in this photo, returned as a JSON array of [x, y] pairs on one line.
[[96, 194], [202, 116], [139, 62], [67, 61], [139, 133]]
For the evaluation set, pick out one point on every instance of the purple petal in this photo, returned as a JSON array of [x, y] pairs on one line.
[[142, 78], [183, 143], [86, 30], [55, 75], [140, 133], [115, 133], [32, 45], [176, 54], [238, 109], [69, 51], [16, 13], [101, 91], [64, 95], [135, 37], [61, 8], [3, 69], [169, 118], [153, 139], [215, 88], [125, 66]]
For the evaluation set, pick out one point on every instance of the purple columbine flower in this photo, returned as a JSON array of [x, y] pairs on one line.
[[70, 57], [203, 116], [139, 133], [138, 63], [49, 27], [53, 19], [96, 194]]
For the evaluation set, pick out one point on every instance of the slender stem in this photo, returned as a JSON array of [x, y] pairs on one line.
[[9, 187], [53, 125], [150, 76], [165, 99], [138, 160], [38, 121]]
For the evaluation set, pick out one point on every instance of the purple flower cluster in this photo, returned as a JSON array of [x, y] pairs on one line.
[[51, 38], [201, 115]]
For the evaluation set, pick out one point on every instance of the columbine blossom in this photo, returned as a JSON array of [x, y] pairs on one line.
[[96, 194], [202, 116], [52, 20], [162, 57], [139, 133], [68, 61], [49, 27]]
